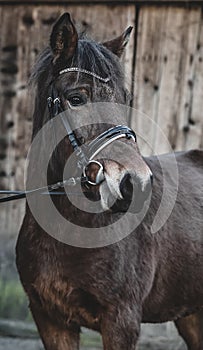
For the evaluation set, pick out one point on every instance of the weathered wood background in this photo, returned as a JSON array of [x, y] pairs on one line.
[[163, 65]]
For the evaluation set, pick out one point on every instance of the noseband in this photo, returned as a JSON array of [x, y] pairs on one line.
[[84, 159]]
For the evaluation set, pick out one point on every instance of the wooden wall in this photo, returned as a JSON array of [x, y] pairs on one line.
[[169, 76], [163, 64]]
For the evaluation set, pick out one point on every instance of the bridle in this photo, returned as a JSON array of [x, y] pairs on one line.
[[84, 158]]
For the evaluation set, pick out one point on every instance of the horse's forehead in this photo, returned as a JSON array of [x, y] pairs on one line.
[[73, 80]]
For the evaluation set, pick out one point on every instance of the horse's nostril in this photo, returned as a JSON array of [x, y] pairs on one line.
[[126, 187]]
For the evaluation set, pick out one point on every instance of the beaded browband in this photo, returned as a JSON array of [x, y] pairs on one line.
[[81, 70]]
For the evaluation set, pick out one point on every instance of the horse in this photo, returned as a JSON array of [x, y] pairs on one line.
[[143, 276]]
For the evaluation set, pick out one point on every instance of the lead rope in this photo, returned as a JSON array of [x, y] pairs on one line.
[[46, 190]]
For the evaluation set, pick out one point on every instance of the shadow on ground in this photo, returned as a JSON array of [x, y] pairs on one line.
[[23, 336]]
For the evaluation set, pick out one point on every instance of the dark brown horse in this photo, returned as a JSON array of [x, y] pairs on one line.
[[144, 277]]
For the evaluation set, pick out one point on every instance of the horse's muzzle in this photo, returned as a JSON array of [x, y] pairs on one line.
[[118, 191], [134, 192]]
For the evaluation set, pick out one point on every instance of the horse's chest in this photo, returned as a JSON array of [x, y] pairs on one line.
[[68, 303]]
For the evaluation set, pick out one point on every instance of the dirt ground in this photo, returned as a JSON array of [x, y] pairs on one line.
[[162, 337]]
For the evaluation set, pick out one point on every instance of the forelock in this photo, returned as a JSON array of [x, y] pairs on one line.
[[90, 56]]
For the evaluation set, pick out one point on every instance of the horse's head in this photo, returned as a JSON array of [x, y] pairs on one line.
[[80, 73]]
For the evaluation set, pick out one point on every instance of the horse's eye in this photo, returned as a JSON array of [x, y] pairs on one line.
[[77, 100]]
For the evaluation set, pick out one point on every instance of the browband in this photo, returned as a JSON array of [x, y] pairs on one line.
[[81, 70]]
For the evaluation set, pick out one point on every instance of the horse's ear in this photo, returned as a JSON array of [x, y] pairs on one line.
[[64, 38], [118, 44]]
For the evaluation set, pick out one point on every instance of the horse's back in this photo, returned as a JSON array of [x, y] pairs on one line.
[[193, 158], [180, 168]]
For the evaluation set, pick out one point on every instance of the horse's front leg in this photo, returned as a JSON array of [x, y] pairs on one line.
[[53, 336], [121, 330], [191, 329]]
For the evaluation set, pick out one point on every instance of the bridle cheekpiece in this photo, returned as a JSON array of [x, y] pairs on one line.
[[84, 159]]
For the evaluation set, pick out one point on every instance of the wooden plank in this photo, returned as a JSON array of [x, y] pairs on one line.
[[20, 43], [8, 124], [93, 2], [164, 75], [194, 137]]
